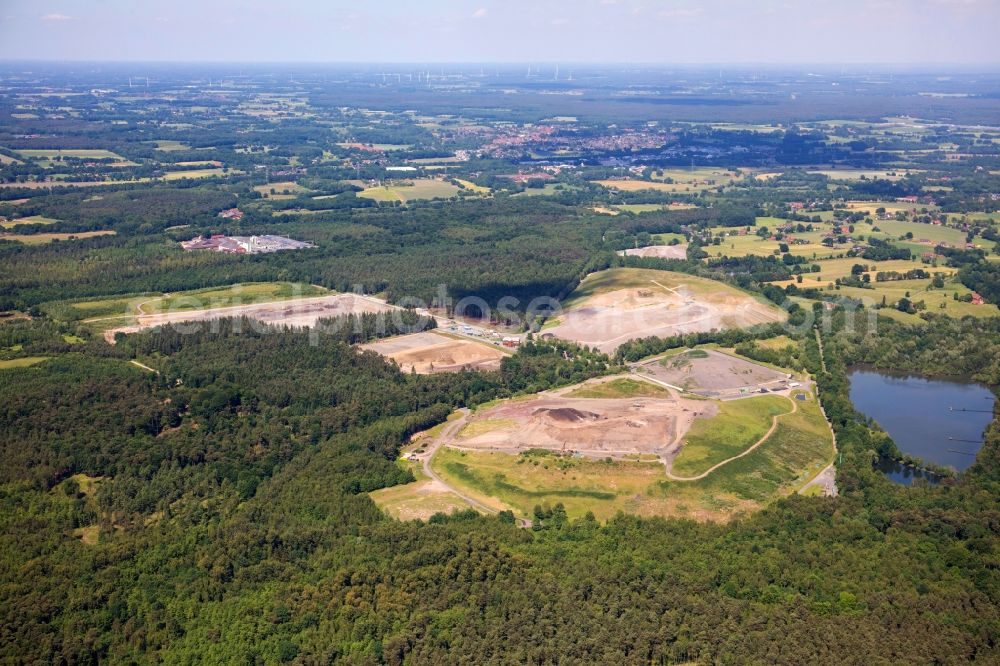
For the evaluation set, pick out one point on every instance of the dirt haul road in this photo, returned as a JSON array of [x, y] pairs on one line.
[[447, 435]]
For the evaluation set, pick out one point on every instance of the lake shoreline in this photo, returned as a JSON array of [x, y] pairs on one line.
[[936, 423]]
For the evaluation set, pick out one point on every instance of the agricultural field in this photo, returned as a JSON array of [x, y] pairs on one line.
[[432, 351], [675, 181], [281, 191], [48, 184], [425, 161], [617, 305], [931, 233], [23, 362], [832, 269], [712, 373], [810, 243], [194, 173], [31, 219], [549, 189], [201, 163], [651, 208], [734, 245], [638, 185], [858, 174], [656, 186], [940, 301], [712, 175], [665, 238], [778, 342], [41, 239], [891, 207], [472, 187], [376, 147], [410, 190], [50, 158], [169, 145], [745, 127]]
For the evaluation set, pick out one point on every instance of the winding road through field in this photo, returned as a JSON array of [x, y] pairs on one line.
[[447, 435], [767, 435]]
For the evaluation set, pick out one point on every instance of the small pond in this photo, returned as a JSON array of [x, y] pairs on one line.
[[941, 421]]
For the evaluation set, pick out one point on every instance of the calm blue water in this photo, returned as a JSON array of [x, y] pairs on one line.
[[917, 414]]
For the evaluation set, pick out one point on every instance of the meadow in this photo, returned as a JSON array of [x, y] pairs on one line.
[[520, 482], [892, 207], [800, 447], [651, 208], [201, 163], [281, 190], [169, 145], [737, 425], [22, 362], [472, 187], [615, 279], [421, 188], [41, 239], [858, 174], [418, 500], [656, 186], [48, 184], [750, 244], [665, 238], [49, 157], [620, 388], [936, 234], [549, 189], [31, 219], [377, 147], [940, 301]]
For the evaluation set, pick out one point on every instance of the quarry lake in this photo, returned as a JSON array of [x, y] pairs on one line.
[[940, 421]]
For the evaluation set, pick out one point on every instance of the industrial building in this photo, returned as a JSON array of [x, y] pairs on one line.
[[244, 244]]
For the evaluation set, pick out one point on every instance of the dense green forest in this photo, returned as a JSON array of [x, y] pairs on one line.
[[491, 250], [235, 528]]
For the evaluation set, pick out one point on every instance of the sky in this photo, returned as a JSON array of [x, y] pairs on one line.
[[552, 31]]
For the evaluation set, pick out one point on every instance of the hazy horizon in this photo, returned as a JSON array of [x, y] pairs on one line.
[[670, 33]]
